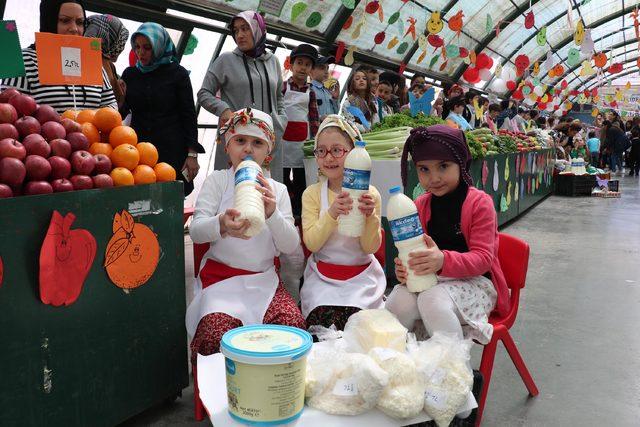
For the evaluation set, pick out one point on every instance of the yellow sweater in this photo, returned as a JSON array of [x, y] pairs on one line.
[[316, 228]]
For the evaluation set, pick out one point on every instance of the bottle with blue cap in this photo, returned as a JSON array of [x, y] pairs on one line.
[[355, 181], [247, 199], [407, 236]]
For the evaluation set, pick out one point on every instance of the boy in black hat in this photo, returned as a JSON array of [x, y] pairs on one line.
[[319, 74]]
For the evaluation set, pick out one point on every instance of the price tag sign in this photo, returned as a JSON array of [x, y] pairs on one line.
[[346, 387], [69, 60]]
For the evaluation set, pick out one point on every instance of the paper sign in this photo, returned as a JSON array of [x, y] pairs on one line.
[[436, 399], [68, 60], [422, 104], [358, 114], [12, 64], [346, 387], [272, 7]]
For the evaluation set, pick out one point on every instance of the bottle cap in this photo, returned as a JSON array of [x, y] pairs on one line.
[[361, 144], [396, 189]]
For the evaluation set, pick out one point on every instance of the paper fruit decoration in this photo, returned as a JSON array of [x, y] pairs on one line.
[[452, 51], [340, 51], [412, 28], [455, 22], [394, 41], [393, 18], [348, 58], [403, 48], [66, 257], [488, 26], [313, 20], [615, 68], [578, 37], [529, 20], [435, 24], [573, 57], [587, 69], [496, 176], [471, 75], [347, 23], [435, 41], [522, 63], [349, 4], [132, 254], [541, 37], [536, 68], [600, 60], [556, 71], [484, 61], [297, 9], [511, 85], [485, 173], [372, 7], [588, 46], [379, 38]]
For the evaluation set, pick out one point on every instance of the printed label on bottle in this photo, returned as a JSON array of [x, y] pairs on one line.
[[247, 174], [406, 227], [355, 179]]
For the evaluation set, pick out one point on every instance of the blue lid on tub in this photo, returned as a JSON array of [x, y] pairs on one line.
[[396, 189], [266, 341], [361, 144]]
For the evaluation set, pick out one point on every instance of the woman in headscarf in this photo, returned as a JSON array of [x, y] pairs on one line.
[[114, 37], [160, 99], [65, 17], [249, 76]]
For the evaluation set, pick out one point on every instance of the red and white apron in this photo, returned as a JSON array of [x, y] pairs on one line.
[[246, 295], [343, 283], [296, 107]]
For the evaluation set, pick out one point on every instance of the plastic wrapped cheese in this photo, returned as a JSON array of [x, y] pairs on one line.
[[367, 329], [403, 397]]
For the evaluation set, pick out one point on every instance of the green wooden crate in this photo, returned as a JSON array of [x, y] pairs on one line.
[[111, 354]]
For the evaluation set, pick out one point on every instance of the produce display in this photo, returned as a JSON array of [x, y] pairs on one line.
[[381, 145], [524, 143], [43, 152], [483, 142], [404, 119]]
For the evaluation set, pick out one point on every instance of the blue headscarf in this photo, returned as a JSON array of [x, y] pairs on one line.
[[164, 51]]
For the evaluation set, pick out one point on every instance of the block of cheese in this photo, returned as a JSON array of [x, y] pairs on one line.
[[367, 329]]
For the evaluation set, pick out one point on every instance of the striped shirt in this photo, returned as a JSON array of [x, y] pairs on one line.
[[60, 97]]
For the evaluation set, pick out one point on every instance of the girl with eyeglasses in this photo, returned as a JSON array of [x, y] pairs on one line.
[[342, 275]]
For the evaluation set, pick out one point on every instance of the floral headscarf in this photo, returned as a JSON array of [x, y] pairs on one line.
[[258, 30], [249, 122], [112, 31]]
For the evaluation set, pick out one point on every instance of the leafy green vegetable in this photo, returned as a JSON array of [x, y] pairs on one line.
[[404, 119]]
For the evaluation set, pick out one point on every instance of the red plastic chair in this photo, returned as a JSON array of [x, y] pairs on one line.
[[513, 254]]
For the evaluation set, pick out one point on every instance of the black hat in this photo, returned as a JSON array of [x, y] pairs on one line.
[[322, 60], [305, 50]]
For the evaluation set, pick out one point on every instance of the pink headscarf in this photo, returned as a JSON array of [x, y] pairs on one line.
[[258, 29]]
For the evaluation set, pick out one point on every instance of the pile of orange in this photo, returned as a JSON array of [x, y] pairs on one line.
[[133, 162]]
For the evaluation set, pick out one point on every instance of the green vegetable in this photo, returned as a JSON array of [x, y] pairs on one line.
[[404, 119], [381, 144]]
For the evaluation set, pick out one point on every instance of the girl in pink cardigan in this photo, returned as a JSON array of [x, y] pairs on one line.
[[462, 242]]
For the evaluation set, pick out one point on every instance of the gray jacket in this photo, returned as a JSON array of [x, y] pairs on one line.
[[229, 75]]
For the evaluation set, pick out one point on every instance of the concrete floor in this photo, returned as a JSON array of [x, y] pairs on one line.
[[576, 327]]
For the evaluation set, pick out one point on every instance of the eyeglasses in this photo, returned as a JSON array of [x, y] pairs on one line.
[[336, 152]]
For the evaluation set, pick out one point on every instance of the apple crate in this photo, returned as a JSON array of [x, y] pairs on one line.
[[112, 353]]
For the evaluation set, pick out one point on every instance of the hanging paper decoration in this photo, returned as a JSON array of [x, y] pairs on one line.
[[573, 57], [503, 204], [392, 42], [433, 61], [526, 90], [529, 20], [297, 9], [313, 20], [340, 51], [536, 68], [455, 22], [435, 41], [516, 192], [600, 60], [435, 24], [509, 187], [556, 71], [393, 18], [358, 28], [471, 75], [349, 4], [511, 85], [402, 48], [615, 68], [464, 53], [452, 51], [379, 38], [522, 63], [372, 7], [412, 28], [522, 187], [588, 46], [485, 173], [506, 169], [484, 61], [472, 57], [192, 44], [348, 22], [628, 85], [496, 176], [541, 37], [422, 42], [348, 59], [587, 69], [422, 56], [578, 37], [488, 26]]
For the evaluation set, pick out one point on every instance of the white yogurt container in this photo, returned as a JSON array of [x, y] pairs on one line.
[[265, 370]]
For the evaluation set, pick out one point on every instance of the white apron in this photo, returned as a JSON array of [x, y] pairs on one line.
[[244, 297], [296, 107], [364, 291]]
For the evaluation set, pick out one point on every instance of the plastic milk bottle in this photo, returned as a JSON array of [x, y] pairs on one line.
[[247, 198], [357, 172], [407, 236]]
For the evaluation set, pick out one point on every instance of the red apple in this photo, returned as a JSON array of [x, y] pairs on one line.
[[8, 130], [78, 141], [70, 125], [61, 185], [32, 188], [35, 144], [101, 181], [12, 172], [81, 182], [38, 168], [53, 130], [8, 113], [27, 125], [60, 167], [82, 162], [11, 148], [46, 113], [6, 191], [60, 147], [103, 164], [24, 104], [6, 95]]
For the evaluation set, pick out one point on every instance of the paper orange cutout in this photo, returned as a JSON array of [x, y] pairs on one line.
[[132, 254], [72, 60]]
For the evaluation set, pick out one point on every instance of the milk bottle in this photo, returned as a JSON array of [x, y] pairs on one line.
[[407, 236], [355, 181], [247, 199]]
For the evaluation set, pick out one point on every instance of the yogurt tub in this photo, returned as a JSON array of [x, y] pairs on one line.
[[265, 369]]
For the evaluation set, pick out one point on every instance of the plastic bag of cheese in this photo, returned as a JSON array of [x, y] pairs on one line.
[[443, 362], [403, 397], [367, 329]]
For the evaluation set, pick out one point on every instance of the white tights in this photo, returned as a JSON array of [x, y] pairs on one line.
[[434, 306]]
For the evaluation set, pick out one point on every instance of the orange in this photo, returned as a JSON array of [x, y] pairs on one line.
[[106, 119], [122, 135], [164, 172], [100, 148], [144, 174], [91, 132], [85, 116], [148, 154], [70, 114], [125, 156], [121, 176]]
